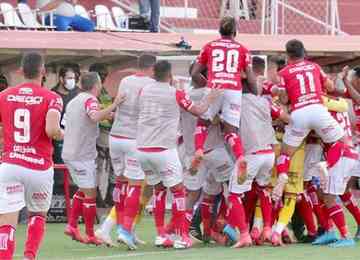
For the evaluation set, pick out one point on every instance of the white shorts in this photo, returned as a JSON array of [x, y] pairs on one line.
[[339, 175], [83, 173], [259, 167], [356, 170], [162, 167], [123, 155], [230, 106], [214, 170], [313, 155], [313, 117], [20, 186]]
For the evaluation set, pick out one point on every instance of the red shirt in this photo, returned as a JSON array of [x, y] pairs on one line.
[[267, 89], [344, 121], [225, 60], [303, 82], [23, 112], [356, 109]]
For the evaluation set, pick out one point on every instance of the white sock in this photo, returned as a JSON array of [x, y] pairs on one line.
[[107, 226], [279, 228]]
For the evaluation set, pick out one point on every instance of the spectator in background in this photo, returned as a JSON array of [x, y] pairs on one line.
[[65, 16], [3, 82], [154, 16]]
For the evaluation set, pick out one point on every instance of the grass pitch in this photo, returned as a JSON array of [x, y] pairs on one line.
[[57, 246]]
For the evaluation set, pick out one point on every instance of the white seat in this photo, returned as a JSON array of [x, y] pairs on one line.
[[81, 11], [10, 15], [28, 16], [104, 20], [120, 17]]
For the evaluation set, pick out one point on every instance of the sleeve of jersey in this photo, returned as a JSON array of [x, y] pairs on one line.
[[183, 100], [203, 56], [275, 111], [91, 106], [55, 103]]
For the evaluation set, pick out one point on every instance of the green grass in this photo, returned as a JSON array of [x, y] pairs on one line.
[[58, 247]]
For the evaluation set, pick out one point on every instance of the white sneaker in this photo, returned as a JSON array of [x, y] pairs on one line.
[[138, 241], [105, 237], [163, 241], [183, 242]]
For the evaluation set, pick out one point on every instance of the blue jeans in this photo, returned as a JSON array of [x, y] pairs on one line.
[[77, 23], [154, 5]]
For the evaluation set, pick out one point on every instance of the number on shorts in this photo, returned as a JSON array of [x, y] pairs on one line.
[[22, 122], [309, 75], [232, 57]]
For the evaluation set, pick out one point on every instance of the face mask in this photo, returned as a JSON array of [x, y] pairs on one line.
[[70, 84]]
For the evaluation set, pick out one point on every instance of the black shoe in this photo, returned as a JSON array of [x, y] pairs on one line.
[[194, 229], [307, 239]]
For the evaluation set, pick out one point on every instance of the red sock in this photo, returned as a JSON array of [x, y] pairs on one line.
[[283, 164], [351, 205], [318, 208], [132, 206], [179, 210], [89, 213], [234, 142], [35, 235], [159, 210], [275, 211], [188, 219], [201, 133], [206, 213], [7, 242], [337, 215], [119, 196], [236, 216], [76, 209], [266, 206], [306, 212], [250, 203], [222, 208]]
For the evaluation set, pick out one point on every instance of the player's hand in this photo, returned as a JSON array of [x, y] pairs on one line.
[[120, 98], [344, 72]]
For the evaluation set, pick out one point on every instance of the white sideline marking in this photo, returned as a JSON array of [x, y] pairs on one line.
[[127, 255]]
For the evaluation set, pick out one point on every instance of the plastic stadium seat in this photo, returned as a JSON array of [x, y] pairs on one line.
[[120, 17], [10, 15], [81, 11], [28, 16], [104, 20]]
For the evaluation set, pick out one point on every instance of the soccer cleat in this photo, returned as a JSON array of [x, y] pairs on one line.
[[307, 239], [266, 235], [105, 238], [245, 241], [195, 233], [94, 241], [163, 241], [241, 167], [343, 242], [256, 236], [127, 238], [231, 233], [183, 243], [196, 161], [326, 238], [279, 187], [138, 241], [74, 233], [276, 239], [357, 235]]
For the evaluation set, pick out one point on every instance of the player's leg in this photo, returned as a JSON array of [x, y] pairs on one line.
[[305, 210], [258, 224], [104, 231], [38, 193], [11, 202]]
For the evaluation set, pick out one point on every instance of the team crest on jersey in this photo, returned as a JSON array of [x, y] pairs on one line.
[[25, 91]]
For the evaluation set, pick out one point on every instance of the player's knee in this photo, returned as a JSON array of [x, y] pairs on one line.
[[329, 200]]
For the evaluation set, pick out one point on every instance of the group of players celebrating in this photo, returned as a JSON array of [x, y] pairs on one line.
[[243, 150]]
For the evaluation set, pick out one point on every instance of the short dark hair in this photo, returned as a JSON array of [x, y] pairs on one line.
[[31, 64], [101, 69], [279, 61], [295, 49], [258, 63], [204, 72], [63, 70], [88, 80], [357, 71], [146, 61], [227, 26], [162, 69]]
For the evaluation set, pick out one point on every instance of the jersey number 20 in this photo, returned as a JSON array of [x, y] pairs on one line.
[[22, 123], [219, 64]]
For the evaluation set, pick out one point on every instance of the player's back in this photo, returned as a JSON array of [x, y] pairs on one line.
[[23, 112], [256, 128], [126, 115], [225, 59], [304, 83]]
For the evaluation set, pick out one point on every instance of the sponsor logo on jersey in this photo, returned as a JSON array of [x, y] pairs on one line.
[[301, 68], [25, 91], [14, 155], [28, 100], [24, 149]]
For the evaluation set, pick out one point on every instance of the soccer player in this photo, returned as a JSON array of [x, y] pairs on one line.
[[303, 83], [30, 117], [226, 61], [79, 153], [123, 150], [159, 113]]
